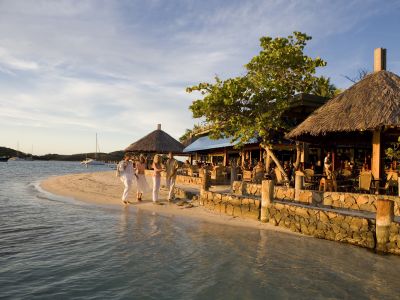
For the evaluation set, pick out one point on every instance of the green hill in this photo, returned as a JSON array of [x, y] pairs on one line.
[[112, 156], [4, 151]]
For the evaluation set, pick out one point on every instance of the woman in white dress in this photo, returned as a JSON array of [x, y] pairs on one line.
[[142, 186], [157, 167], [126, 172]]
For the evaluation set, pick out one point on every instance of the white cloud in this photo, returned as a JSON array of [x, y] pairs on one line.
[[120, 67]]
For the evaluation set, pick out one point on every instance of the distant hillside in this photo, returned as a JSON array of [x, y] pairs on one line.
[[112, 156], [4, 151]]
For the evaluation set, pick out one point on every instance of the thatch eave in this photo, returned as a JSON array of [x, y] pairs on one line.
[[158, 141], [372, 103]]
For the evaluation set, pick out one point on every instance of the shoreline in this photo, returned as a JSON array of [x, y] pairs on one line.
[[105, 189]]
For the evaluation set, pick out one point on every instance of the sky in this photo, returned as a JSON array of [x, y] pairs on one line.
[[71, 69]]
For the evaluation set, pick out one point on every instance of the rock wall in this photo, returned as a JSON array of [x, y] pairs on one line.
[[180, 179], [362, 202], [185, 194], [394, 239], [232, 205], [322, 224]]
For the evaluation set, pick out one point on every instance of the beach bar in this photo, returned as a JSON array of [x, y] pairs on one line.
[[369, 111]]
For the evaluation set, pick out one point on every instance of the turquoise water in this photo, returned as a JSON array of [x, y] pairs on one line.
[[58, 248]]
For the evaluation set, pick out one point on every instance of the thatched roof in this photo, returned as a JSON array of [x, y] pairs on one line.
[[157, 141], [370, 103]]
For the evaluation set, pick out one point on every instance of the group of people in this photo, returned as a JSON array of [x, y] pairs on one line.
[[131, 171]]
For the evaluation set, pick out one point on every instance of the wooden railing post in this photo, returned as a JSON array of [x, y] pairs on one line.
[[384, 217], [267, 196], [298, 184], [206, 182]]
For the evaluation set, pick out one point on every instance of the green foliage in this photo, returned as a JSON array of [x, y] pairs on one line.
[[393, 152], [324, 88], [186, 135], [253, 104]]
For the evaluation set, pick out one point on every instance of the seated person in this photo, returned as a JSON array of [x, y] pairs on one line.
[[258, 172]]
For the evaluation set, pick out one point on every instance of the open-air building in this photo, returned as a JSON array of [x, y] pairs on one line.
[[223, 151], [365, 119]]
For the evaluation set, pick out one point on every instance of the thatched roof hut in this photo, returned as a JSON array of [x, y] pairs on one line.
[[372, 103], [157, 141]]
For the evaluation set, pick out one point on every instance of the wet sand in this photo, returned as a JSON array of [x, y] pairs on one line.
[[104, 188]]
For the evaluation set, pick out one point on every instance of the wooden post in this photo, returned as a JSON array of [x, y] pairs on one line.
[[205, 185], [233, 173], [376, 156], [225, 157], [298, 184], [305, 153], [384, 217], [267, 196]]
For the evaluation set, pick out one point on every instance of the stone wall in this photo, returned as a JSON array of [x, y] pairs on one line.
[[323, 224], [232, 205], [320, 222], [394, 239], [180, 179], [185, 194], [362, 202]]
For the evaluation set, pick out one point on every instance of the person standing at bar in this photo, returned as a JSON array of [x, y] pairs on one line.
[[171, 168], [328, 165]]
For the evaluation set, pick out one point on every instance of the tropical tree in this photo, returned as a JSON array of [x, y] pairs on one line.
[[253, 104], [324, 88]]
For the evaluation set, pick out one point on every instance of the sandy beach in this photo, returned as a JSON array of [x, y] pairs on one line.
[[104, 188]]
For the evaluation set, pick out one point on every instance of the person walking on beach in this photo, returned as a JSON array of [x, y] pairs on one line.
[[171, 169], [157, 167], [142, 186], [126, 172]]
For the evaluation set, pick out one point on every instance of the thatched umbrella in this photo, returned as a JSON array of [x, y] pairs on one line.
[[157, 141]]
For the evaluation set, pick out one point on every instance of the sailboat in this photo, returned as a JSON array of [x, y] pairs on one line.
[[91, 161], [16, 158]]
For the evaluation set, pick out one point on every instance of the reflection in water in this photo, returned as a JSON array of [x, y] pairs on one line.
[[62, 249]]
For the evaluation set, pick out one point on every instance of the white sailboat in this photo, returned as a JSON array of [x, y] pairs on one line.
[[16, 158], [91, 161]]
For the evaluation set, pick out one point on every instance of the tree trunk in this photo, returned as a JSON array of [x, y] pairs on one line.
[[276, 161], [298, 155], [267, 162]]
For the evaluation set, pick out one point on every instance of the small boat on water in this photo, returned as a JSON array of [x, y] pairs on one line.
[[92, 162], [4, 158]]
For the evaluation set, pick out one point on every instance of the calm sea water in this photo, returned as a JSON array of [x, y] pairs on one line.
[[57, 248]]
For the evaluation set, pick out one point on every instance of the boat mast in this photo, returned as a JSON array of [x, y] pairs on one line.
[[95, 154]]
